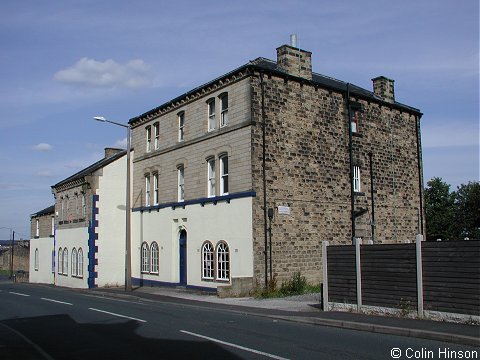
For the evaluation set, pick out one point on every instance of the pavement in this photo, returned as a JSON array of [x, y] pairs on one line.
[[306, 309]]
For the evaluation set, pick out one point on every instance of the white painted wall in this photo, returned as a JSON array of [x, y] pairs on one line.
[[72, 238], [228, 222], [111, 224], [43, 274]]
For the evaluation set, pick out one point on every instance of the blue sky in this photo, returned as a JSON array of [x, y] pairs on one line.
[[63, 62]]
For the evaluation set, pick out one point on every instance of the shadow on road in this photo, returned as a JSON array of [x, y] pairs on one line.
[[61, 337]]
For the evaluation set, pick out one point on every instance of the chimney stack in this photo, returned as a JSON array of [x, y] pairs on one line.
[[384, 88], [294, 61], [111, 151]]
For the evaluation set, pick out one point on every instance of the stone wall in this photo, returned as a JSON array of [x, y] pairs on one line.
[[198, 145], [74, 214], [308, 171], [45, 228], [20, 257]]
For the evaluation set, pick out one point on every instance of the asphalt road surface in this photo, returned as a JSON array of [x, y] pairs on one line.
[[42, 322]]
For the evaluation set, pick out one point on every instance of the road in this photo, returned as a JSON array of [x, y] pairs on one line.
[[42, 322]]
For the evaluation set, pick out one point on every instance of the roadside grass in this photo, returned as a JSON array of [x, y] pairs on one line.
[[297, 285], [4, 272]]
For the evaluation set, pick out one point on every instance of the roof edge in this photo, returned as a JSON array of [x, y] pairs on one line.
[[91, 168], [257, 63]]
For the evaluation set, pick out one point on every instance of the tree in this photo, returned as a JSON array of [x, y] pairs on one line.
[[467, 210], [439, 209]]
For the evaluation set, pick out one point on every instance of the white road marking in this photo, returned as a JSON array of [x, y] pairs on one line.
[[122, 316], [57, 301], [15, 293], [35, 346], [114, 299], [235, 346]]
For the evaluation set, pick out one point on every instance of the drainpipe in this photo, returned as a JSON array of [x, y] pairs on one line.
[[270, 217], [350, 151], [420, 175], [373, 198], [264, 175]]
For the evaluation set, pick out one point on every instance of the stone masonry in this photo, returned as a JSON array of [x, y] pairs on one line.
[[198, 145], [45, 226], [307, 170], [304, 118]]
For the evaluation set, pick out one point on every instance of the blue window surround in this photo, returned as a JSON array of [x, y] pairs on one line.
[[92, 248], [201, 201]]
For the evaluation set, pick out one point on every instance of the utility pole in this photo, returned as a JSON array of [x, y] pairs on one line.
[[11, 262]]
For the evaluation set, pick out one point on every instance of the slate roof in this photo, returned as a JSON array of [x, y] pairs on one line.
[[92, 168], [267, 65], [48, 210]]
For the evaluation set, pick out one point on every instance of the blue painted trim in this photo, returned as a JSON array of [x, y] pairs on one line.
[[155, 283], [201, 201], [92, 248]]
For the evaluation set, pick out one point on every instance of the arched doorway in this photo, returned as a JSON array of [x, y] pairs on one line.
[[183, 257]]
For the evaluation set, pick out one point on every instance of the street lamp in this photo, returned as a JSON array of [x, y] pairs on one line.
[[128, 239]]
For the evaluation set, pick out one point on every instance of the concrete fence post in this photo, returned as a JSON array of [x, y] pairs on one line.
[[325, 275], [418, 255], [358, 271]]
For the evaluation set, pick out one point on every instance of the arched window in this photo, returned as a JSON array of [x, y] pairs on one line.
[[84, 206], [211, 114], [60, 261], [224, 174], [154, 258], [147, 189], [223, 261], [155, 188], [65, 261], [148, 131], [36, 259], [181, 125], [80, 263], [74, 262], [211, 177], [181, 183], [224, 110], [156, 133], [208, 270], [144, 260]]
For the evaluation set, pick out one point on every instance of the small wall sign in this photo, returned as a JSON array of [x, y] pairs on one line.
[[284, 210]]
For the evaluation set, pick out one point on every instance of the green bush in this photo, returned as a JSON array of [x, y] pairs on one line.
[[295, 286]]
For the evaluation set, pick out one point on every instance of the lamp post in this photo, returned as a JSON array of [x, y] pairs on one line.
[[128, 239]]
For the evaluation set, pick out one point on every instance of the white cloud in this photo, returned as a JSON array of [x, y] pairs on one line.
[[448, 134], [9, 186], [122, 143], [108, 74], [44, 173], [42, 147]]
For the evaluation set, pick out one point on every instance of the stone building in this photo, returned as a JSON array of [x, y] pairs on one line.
[[42, 246], [270, 145], [90, 224]]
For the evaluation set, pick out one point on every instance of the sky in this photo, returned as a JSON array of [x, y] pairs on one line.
[[63, 62]]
